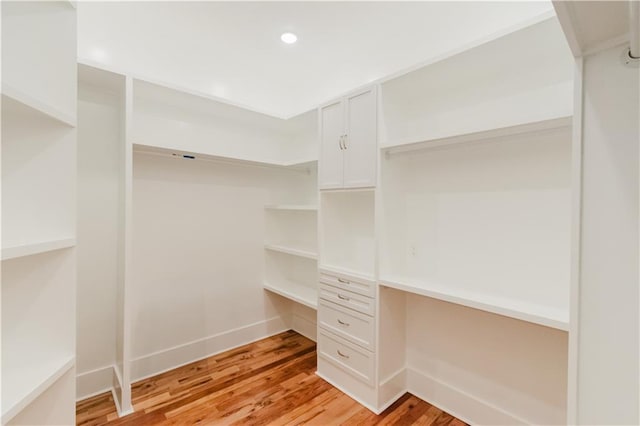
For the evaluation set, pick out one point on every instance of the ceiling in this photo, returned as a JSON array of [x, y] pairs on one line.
[[232, 50]]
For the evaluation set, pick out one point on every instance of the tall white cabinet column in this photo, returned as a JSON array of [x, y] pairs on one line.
[[347, 280], [38, 212], [104, 180]]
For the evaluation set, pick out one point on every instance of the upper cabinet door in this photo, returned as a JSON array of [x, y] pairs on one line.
[[330, 164], [361, 143]]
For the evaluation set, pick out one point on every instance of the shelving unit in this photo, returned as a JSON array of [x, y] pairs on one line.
[[474, 205], [291, 269], [39, 96]]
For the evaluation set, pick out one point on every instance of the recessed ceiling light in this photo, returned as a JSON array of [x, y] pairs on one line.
[[289, 38]]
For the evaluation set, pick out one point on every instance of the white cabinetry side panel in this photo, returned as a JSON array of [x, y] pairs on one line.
[[608, 388]]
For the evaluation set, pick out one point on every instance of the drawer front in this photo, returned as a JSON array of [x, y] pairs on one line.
[[348, 299], [354, 360], [353, 326], [346, 282]]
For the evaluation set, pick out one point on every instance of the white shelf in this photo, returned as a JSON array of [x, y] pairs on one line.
[[20, 388], [297, 292], [190, 156], [36, 105], [293, 207], [291, 249], [537, 314], [36, 248], [413, 144]]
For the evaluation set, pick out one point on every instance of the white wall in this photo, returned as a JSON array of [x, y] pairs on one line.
[[198, 257], [99, 144], [608, 388], [483, 367]]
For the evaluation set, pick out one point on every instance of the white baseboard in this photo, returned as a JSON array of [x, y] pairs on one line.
[[456, 402], [177, 356], [94, 382]]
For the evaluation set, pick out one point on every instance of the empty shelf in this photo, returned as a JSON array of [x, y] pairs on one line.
[[293, 250], [36, 248], [14, 98], [537, 314], [300, 293], [24, 385], [414, 144]]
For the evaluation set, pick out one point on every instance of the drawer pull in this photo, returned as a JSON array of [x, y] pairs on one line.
[[346, 324], [343, 281], [342, 355], [341, 297]]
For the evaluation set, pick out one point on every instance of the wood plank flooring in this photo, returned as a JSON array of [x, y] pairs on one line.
[[269, 382]]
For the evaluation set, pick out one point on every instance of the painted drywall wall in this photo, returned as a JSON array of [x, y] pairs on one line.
[[198, 257]]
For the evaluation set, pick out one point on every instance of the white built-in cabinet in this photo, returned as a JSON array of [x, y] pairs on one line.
[[348, 142], [450, 278], [38, 212]]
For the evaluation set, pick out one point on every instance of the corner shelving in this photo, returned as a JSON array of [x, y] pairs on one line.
[[29, 383], [36, 248], [291, 268], [522, 310], [39, 147]]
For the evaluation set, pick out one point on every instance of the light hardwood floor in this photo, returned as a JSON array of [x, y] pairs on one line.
[[269, 382]]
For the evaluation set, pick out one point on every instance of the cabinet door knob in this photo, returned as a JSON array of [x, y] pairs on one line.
[[342, 355], [340, 140], [343, 281], [346, 324], [341, 297], [345, 142]]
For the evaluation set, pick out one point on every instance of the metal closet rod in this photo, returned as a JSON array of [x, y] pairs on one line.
[[634, 28]]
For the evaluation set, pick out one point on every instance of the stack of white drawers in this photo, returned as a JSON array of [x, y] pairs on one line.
[[346, 332]]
